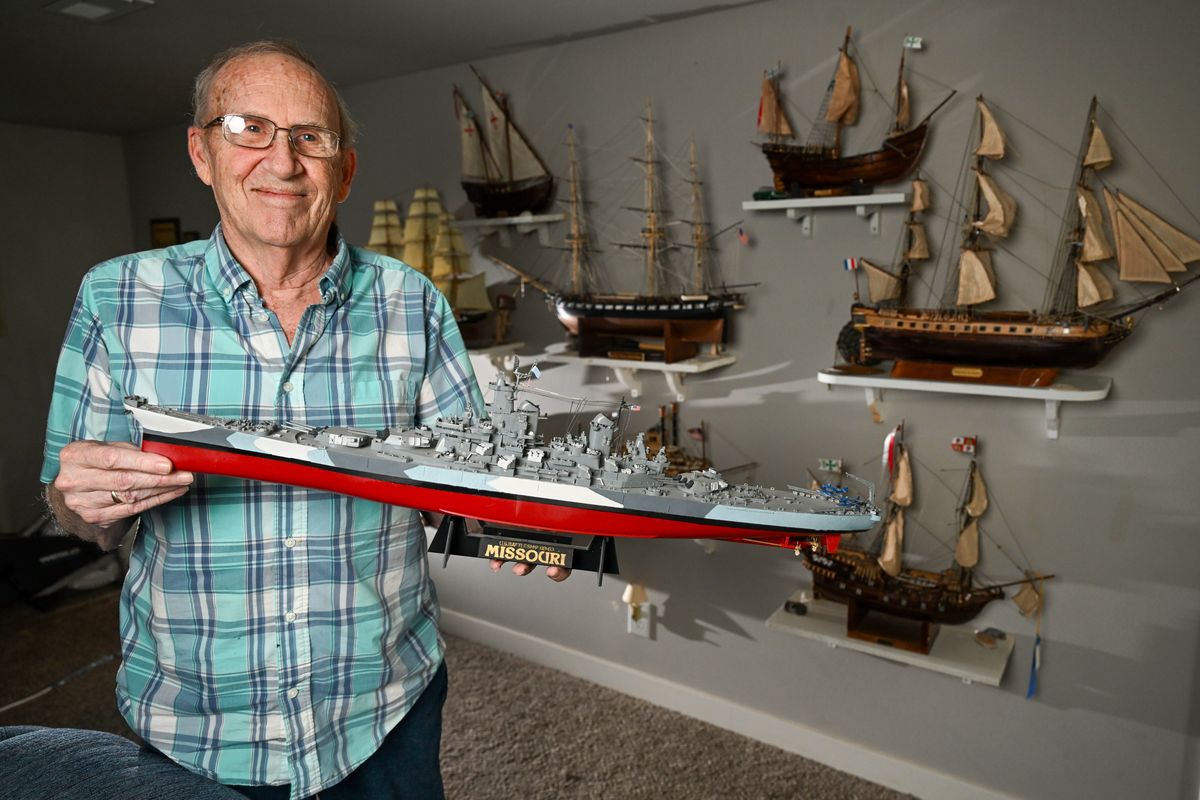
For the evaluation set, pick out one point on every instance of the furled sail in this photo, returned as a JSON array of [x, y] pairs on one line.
[[918, 243], [1098, 156], [772, 119], [1135, 257], [903, 107], [1091, 286], [893, 543], [991, 138], [1002, 208], [976, 280], [387, 232], [920, 196], [843, 105], [513, 154], [966, 549], [473, 144], [978, 502], [420, 229], [881, 284], [1185, 248], [1096, 246], [902, 484]]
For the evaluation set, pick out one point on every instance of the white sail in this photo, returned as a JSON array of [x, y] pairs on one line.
[[991, 138], [1184, 247], [966, 549], [976, 280], [903, 108], [387, 232], [1002, 208], [1029, 598], [843, 105], [893, 544], [1096, 246], [1091, 286], [1137, 261], [508, 147], [918, 246], [902, 484], [1098, 154], [471, 293], [920, 196], [473, 146], [978, 502], [881, 284], [772, 119], [420, 229]]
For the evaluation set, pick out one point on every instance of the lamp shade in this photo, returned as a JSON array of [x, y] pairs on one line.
[[635, 595]]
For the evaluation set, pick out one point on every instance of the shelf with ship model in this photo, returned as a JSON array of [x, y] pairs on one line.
[[954, 652], [802, 208], [521, 223], [1066, 388], [628, 371]]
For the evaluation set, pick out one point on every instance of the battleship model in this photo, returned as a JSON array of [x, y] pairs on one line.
[[502, 174], [819, 167], [498, 470]]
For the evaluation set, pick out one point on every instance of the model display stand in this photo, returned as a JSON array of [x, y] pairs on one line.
[[802, 208], [1067, 388], [628, 372], [954, 651]]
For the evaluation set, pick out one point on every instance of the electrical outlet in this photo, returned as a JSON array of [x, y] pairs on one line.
[[641, 625]]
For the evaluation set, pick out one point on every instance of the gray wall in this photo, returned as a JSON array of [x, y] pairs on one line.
[[1108, 507], [67, 208]]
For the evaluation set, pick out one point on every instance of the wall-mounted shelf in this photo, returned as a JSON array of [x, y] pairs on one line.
[[802, 208], [629, 372], [1067, 389], [954, 652], [503, 226], [497, 356]]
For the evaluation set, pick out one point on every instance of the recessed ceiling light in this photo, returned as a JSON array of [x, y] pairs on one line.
[[97, 10]]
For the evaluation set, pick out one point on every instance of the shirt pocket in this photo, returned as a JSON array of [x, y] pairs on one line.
[[376, 402]]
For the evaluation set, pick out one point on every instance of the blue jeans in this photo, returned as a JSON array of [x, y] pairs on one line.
[[67, 764], [405, 767]]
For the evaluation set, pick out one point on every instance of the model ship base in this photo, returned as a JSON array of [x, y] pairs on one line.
[[667, 341], [460, 537], [872, 625], [970, 373]]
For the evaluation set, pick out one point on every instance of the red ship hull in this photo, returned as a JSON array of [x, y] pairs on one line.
[[504, 511]]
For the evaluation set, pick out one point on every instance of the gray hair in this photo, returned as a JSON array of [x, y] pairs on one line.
[[203, 88]]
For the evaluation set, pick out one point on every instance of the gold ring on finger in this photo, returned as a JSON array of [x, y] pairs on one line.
[[116, 498]]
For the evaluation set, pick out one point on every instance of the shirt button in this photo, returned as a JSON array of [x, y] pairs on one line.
[[290, 542], [228, 293], [293, 693], [287, 387], [290, 616]]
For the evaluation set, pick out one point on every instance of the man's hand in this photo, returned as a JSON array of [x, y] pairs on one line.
[[556, 574], [102, 486]]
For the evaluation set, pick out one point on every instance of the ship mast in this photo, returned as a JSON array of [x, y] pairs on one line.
[[652, 234], [576, 238], [699, 226], [1060, 290]]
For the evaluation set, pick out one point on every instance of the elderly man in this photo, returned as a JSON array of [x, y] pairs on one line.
[[279, 640]]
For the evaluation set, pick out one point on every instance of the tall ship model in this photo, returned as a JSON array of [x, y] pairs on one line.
[[1080, 320], [387, 231], [466, 291], [696, 313], [502, 174], [497, 469], [420, 229], [819, 166], [875, 577]]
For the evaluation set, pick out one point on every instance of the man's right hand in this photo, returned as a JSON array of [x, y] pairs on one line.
[[102, 486]]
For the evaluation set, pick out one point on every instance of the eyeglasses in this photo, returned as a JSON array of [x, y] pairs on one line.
[[258, 133]]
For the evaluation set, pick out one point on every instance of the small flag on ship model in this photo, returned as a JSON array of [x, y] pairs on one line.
[[850, 264], [964, 444], [743, 237], [830, 464], [696, 433]]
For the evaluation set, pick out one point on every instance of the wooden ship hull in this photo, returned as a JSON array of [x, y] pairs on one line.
[[985, 338], [633, 311], [510, 198], [801, 172], [854, 575]]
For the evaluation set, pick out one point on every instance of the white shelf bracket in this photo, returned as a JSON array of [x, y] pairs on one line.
[[675, 384], [872, 215], [541, 228], [804, 217], [1052, 407], [629, 379]]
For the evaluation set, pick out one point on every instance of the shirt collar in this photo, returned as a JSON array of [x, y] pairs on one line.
[[229, 276]]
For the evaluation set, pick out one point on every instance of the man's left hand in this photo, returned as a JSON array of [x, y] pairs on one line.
[[556, 574]]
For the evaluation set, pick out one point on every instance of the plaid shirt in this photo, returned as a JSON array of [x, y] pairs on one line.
[[271, 634]]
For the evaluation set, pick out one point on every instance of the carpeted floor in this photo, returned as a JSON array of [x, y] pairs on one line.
[[554, 736]]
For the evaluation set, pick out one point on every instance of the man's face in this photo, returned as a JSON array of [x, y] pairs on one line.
[[272, 197]]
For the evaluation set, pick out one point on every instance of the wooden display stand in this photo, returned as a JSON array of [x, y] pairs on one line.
[[886, 629], [667, 341], [964, 373]]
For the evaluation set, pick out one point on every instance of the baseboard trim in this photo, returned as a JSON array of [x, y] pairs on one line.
[[849, 757]]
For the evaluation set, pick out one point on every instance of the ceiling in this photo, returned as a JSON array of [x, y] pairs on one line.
[[134, 72]]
